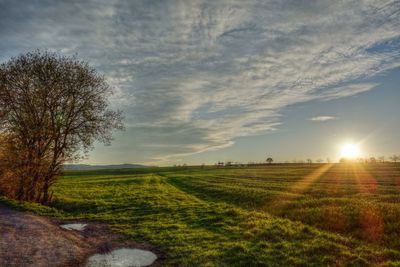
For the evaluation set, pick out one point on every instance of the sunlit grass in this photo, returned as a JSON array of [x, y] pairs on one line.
[[230, 217]]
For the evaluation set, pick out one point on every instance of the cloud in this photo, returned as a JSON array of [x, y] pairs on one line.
[[323, 118], [192, 76]]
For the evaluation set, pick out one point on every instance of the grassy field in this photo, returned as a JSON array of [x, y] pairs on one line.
[[278, 215]]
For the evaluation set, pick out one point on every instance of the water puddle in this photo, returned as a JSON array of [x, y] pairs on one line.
[[74, 226], [122, 258]]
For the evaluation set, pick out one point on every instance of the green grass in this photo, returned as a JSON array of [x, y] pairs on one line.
[[279, 215]]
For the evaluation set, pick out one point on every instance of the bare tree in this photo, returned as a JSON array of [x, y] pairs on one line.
[[52, 109], [395, 158]]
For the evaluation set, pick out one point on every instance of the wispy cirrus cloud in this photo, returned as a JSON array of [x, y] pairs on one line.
[[192, 76], [323, 118]]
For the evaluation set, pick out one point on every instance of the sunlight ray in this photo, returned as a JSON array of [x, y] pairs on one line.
[[293, 193], [366, 183]]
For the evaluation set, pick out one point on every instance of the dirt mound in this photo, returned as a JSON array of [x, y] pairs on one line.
[[30, 240]]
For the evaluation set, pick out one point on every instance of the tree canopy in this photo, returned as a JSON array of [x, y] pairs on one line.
[[52, 109]]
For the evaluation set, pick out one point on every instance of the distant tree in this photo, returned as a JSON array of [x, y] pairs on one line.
[[395, 158], [372, 160], [320, 160], [52, 109], [269, 160], [381, 159], [360, 160], [309, 161]]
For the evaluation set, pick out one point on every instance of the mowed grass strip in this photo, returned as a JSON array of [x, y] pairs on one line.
[[357, 200], [211, 217]]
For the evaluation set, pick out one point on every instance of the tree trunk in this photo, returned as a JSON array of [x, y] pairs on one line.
[[45, 198]]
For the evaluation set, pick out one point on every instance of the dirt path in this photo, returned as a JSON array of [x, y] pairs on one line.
[[30, 240]]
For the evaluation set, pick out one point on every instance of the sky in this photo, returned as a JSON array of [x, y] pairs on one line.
[[207, 81]]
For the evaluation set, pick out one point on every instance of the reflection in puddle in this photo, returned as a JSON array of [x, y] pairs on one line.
[[74, 226], [122, 258]]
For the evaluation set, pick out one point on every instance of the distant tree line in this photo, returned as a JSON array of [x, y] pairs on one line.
[[270, 160], [381, 159]]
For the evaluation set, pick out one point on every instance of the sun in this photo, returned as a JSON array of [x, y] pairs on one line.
[[350, 151]]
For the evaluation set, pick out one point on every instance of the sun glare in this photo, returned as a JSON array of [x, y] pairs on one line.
[[350, 151]]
